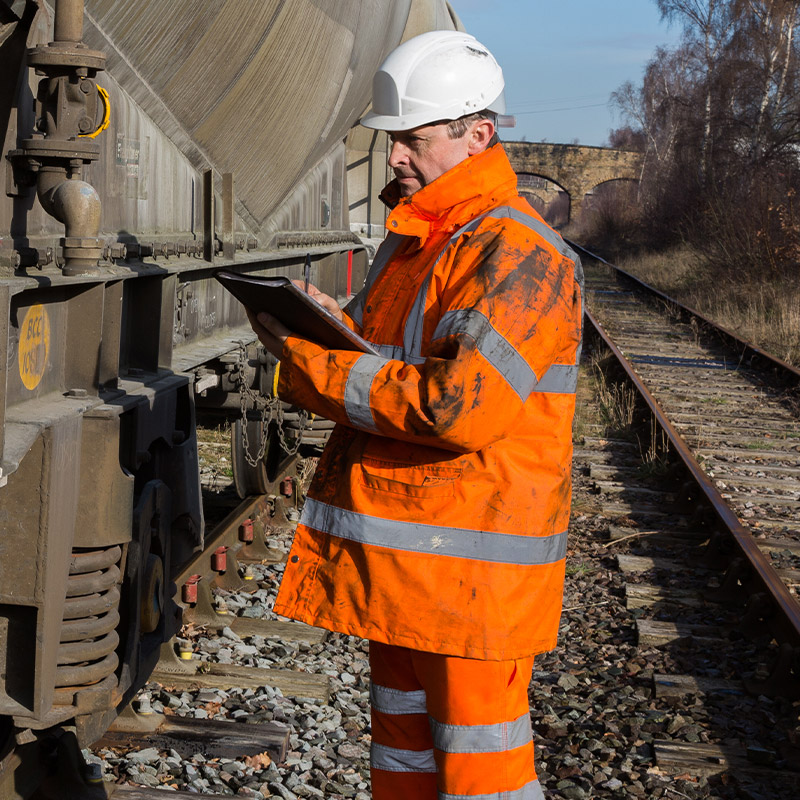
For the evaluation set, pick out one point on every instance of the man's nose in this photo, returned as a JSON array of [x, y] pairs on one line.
[[397, 155]]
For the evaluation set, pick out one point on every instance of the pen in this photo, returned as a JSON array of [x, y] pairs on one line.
[[307, 270]]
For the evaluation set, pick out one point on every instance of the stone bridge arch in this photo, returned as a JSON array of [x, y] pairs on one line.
[[576, 168], [546, 196]]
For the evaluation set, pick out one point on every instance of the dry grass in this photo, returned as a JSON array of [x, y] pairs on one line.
[[765, 312], [616, 401], [603, 407]]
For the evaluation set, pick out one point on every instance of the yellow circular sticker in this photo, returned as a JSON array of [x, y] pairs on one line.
[[34, 345]]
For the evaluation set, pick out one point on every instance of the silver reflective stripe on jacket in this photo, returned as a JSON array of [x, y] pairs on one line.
[[396, 701], [519, 374], [397, 352], [393, 759], [497, 350], [496, 738], [559, 379], [357, 389], [530, 791], [538, 227], [417, 537]]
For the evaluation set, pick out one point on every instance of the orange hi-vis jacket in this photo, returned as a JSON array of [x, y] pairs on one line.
[[437, 517]]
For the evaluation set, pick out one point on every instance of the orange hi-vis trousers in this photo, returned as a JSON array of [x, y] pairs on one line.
[[450, 728]]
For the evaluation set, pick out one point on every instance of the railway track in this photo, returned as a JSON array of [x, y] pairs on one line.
[[660, 679], [731, 415]]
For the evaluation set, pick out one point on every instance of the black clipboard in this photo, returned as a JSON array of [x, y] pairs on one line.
[[298, 311]]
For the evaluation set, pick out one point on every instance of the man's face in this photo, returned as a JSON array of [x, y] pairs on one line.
[[421, 155]]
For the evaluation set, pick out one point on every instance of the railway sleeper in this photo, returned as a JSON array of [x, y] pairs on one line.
[[141, 793], [187, 735], [174, 672], [700, 759]]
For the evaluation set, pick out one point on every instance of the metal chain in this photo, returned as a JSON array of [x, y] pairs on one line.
[[271, 410]]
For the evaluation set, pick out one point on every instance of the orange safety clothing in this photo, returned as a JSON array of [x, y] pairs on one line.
[[445, 727], [438, 513]]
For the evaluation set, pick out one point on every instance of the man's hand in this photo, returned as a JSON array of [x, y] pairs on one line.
[[325, 300], [271, 333]]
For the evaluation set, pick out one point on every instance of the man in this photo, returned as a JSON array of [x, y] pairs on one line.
[[436, 522]]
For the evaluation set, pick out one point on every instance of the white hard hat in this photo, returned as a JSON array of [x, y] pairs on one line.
[[440, 75]]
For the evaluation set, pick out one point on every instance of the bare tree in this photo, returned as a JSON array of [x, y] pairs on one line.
[[772, 25], [711, 22], [659, 107], [719, 116]]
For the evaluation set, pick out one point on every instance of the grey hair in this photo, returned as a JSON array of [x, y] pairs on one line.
[[456, 128]]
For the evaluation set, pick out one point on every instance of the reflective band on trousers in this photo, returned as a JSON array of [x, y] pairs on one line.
[[530, 791], [497, 350], [496, 738], [396, 701], [440, 540], [392, 759]]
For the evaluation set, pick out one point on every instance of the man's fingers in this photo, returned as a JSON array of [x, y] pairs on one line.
[[274, 326], [326, 301], [271, 333]]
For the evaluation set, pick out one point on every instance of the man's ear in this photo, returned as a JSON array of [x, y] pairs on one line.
[[479, 136]]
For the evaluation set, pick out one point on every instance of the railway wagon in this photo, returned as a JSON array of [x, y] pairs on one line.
[[147, 144]]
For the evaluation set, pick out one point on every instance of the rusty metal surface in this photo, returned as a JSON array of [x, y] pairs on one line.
[[787, 619], [227, 532]]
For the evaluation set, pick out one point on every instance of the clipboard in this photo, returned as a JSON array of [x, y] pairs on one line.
[[298, 311]]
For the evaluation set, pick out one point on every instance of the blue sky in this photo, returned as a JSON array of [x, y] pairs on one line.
[[563, 58]]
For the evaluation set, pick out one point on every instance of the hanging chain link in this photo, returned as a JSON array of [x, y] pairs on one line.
[[270, 409]]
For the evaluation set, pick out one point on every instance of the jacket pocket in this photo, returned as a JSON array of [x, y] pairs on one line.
[[411, 480]]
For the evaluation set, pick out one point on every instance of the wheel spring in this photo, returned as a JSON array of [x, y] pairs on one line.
[[86, 654]]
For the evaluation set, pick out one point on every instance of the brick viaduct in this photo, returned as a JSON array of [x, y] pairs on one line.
[[575, 168]]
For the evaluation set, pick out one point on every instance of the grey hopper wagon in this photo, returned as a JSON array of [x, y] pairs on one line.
[[147, 144]]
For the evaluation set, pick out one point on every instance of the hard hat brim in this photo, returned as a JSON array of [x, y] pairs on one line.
[[405, 122]]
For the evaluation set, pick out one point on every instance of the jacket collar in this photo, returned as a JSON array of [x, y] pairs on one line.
[[477, 184]]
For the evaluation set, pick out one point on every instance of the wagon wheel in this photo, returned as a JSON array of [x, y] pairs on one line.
[[264, 477]]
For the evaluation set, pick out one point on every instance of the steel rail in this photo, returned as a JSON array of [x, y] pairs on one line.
[[788, 619], [747, 347], [224, 533]]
